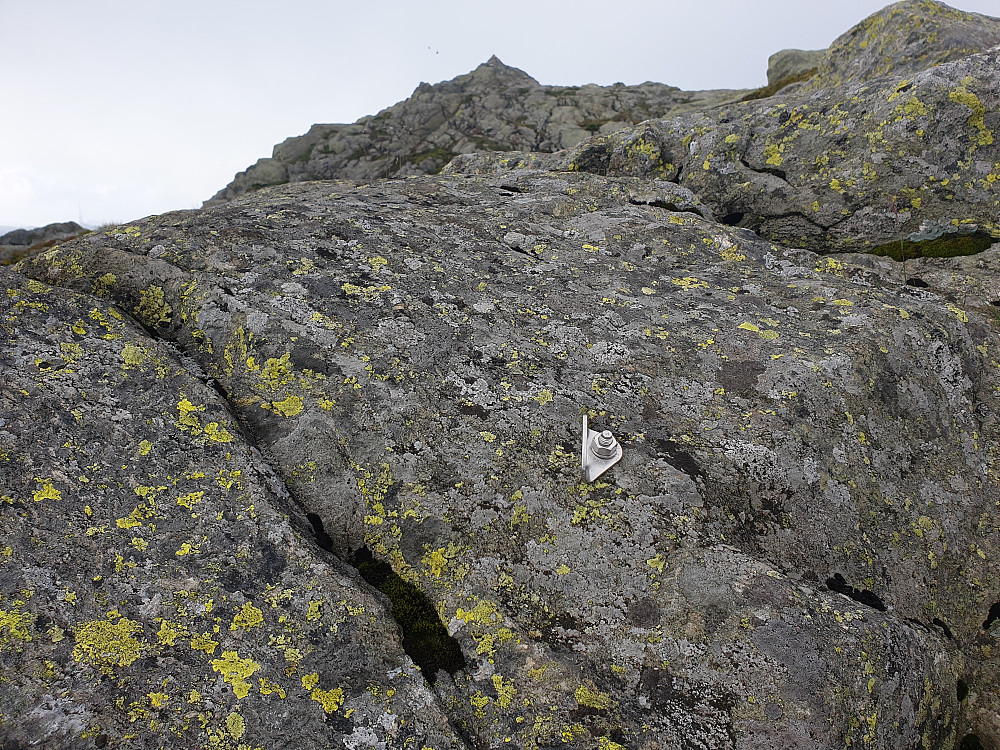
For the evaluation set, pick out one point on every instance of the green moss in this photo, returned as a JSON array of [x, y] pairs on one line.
[[425, 638], [946, 246], [774, 88]]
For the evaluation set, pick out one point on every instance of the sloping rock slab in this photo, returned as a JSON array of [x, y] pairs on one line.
[[152, 593], [799, 547]]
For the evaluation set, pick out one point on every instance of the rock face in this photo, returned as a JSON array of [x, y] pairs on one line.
[[877, 159], [799, 547], [212, 418], [15, 243], [791, 63], [493, 108]]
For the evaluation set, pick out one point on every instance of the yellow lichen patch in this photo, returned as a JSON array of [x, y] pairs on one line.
[[191, 499], [747, 326], [14, 625], [772, 152], [313, 611], [217, 434], [290, 406], [133, 356], [236, 725], [169, 632], [158, 700], [204, 642], [330, 700], [187, 420], [267, 688], [145, 447], [235, 671], [962, 95], [276, 371], [105, 645], [689, 282], [505, 691], [248, 617], [152, 308], [46, 491], [588, 695], [309, 681]]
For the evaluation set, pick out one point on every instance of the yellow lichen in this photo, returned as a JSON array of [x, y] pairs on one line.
[[105, 645], [330, 700], [46, 491], [248, 617], [290, 406], [590, 696], [235, 671]]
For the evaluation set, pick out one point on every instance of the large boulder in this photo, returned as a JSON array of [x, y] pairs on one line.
[[799, 547], [152, 590], [860, 161], [835, 170], [493, 108]]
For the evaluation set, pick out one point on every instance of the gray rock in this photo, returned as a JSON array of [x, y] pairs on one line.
[[799, 546], [792, 63], [152, 590], [16, 243], [493, 108], [852, 168]]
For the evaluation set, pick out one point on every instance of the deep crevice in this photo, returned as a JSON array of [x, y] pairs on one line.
[[961, 690], [944, 626], [971, 742], [425, 638], [862, 596], [992, 617]]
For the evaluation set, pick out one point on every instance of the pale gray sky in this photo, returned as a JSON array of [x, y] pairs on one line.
[[117, 109]]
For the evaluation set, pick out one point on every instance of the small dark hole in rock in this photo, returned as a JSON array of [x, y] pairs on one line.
[[322, 538], [101, 740], [962, 690], [995, 303], [992, 617], [917, 282], [732, 219], [944, 626], [425, 638], [971, 742]]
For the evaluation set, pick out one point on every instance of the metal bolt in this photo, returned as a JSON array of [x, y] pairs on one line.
[[604, 445]]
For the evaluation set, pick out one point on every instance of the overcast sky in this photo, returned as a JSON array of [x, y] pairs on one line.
[[117, 109]]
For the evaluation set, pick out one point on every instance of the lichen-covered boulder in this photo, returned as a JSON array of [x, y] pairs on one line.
[[800, 545], [493, 108], [903, 39], [152, 590], [856, 166]]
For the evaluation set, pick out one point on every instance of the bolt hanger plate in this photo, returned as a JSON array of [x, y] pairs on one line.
[[599, 451]]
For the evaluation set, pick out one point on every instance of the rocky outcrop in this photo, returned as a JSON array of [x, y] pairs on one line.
[[854, 168], [152, 591], [303, 467], [493, 108], [798, 547], [792, 63], [15, 244]]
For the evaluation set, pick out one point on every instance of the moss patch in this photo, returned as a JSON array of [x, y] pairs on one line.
[[946, 246], [425, 638]]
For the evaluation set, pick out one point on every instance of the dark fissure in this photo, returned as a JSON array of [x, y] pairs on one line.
[[425, 638]]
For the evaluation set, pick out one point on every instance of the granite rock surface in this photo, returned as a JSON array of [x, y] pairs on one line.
[[799, 547], [302, 468]]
